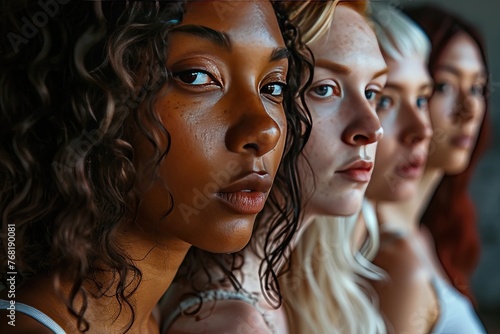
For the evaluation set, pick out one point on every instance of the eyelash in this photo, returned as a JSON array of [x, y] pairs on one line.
[[332, 90], [178, 75], [375, 93], [282, 89], [268, 89], [476, 90]]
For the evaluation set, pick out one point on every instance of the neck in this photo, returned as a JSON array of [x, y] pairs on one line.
[[158, 264], [250, 270], [405, 215]]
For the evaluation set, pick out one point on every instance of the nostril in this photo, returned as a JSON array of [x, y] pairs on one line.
[[251, 146], [360, 139]]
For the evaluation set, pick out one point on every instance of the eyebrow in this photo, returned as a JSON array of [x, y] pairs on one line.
[[456, 71], [332, 66], [215, 36], [279, 53], [381, 72], [400, 88]]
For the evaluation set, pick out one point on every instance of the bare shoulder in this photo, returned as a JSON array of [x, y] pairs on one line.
[[221, 317]]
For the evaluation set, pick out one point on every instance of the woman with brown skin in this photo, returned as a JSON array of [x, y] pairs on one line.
[[459, 115], [334, 172], [416, 297], [131, 131]]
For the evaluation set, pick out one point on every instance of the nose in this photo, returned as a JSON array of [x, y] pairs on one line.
[[364, 127], [254, 131], [417, 126], [466, 108]]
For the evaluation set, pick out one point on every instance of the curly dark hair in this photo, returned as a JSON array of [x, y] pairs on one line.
[[75, 91], [278, 222]]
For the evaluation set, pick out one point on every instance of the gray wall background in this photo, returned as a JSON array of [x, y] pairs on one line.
[[485, 187]]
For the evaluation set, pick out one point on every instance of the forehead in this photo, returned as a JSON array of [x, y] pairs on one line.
[[462, 51], [252, 19], [350, 39], [410, 70]]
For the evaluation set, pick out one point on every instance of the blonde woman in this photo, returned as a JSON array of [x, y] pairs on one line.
[[324, 291], [335, 169]]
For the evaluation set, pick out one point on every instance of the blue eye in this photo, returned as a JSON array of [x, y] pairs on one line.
[[274, 89], [371, 94], [423, 102], [323, 91], [194, 77], [384, 103]]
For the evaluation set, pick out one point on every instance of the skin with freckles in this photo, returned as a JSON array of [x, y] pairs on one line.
[[404, 113], [223, 112], [458, 104], [342, 99]]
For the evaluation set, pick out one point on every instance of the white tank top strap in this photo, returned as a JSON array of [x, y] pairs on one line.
[[35, 314]]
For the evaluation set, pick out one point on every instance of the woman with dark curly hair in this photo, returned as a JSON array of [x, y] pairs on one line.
[[334, 171], [129, 132], [459, 114]]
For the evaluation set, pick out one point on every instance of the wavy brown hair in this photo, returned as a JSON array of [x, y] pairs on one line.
[[73, 97]]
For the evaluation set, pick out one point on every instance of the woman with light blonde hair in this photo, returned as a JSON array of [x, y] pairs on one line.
[[324, 290]]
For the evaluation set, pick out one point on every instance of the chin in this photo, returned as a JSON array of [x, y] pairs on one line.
[[346, 206], [229, 237], [458, 166]]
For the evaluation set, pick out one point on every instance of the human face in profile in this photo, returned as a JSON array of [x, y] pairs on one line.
[[224, 113], [458, 104], [404, 113], [349, 74]]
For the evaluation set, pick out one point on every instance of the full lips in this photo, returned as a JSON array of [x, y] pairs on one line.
[[243, 202]]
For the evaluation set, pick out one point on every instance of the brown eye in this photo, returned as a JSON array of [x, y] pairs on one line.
[[195, 77], [443, 87], [274, 89], [477, 90]]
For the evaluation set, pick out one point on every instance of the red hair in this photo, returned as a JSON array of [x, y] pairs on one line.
[[450, 215]]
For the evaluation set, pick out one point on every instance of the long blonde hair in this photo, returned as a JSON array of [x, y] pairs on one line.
[[325, 290]]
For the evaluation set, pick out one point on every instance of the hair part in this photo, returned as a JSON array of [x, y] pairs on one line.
[[398, 36]]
